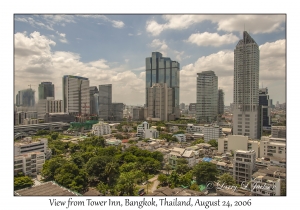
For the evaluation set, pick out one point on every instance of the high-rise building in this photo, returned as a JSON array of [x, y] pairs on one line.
[[48, 105], [46, 89], [116, 112], [105, 101], [221, 102], [76, 95], [163, 70], [159, 102], [265, 106], [25, 98], [243, 166], [93, 101], [207, 97], [182, 106], [246, 84]]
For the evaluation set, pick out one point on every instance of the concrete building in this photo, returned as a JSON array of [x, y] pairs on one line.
[[101, 129], [161, 69], [192, 108], [243, 166], [46, 89], [22, 117], [116, 112], [94, 106], [29, 163], [181, 153], [207, 97], [76, 95], [27, 145], [264, 185], [143, 131], [191, 128], [220, 102], [273, 147], [49, 105], [159, 100], [105, 101], [278, 131], [238, 142], [246, 88], [26, 98], [211, 132], [59, 117], [180, 137], [138, 113], [29, 121], [182, 106]]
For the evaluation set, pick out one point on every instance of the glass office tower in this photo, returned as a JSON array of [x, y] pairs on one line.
[[163, 70], [46, 89]]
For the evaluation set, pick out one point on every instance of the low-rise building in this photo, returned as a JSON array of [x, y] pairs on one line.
[[28, 145], [273, 147], [101, 129], [113, 142], [278, 131], [238, 142], [191, 128], [264, 185], [211, 132], [174, 129], [180, 137], [181, 153], [29, 163], [243, 166]]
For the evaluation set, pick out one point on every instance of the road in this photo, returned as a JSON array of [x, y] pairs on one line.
[[155, 183]]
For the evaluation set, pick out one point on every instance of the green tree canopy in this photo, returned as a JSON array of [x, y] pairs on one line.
[[50, 167], [213, 143], [198, 141], [22, 182], [205, 172], [227, 179]]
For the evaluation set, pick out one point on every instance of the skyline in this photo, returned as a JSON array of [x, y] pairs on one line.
[[116, 46]]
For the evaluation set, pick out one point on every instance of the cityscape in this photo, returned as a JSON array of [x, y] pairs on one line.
[[150, 105]]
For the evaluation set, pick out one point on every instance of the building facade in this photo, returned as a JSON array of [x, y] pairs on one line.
[[105, 101], [273, 147], [243, 166], [278, 131], [161, 69], [49, 105], [46, 89], [93, 100], [25, 98], [29, 164], [246, 88], [211, 132], [101, 129], [160, 102], [207, 97], [221, 102], [27, 145], [265, 106], [76, 95]]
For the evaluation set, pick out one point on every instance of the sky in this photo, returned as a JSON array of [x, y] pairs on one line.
[[111, 49]]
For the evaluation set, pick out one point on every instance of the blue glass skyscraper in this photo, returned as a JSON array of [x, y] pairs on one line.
[[161, 69]]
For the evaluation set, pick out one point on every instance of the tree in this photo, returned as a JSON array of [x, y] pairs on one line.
[[173, 179], [70, 176], [186, 179], [227, 179], [22, 182], [283, 188], [168, 167], [95, 168], [54, 135], [198, 141], [194, 186], [204, 172], [126, 183], [126, 167], [179, 132], [50, 167], [213, 143], [163, 179]]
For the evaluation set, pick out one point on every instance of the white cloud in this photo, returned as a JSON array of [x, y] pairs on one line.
[[159, 46], [272, 71], [212, 39], [62, 36], [230, 23], [35, 61], [117, 24]]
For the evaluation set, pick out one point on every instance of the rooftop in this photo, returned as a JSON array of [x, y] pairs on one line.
[[46, 189]]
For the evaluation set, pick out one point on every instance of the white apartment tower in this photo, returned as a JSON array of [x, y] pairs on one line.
[[76, 95], [246, 88], [207, 97]]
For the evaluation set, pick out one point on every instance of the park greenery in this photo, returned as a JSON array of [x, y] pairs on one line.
[[21, 181]]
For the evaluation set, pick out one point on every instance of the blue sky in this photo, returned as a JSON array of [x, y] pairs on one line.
[[112, 49]]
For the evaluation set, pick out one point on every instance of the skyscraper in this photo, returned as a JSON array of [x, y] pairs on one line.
[[221, 102], [207, 97], [265, 104], [163, 70], [105, 101], [46, 89], [25, 98], [246, 84], [159, 101], [76, 95], [93, 101]]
